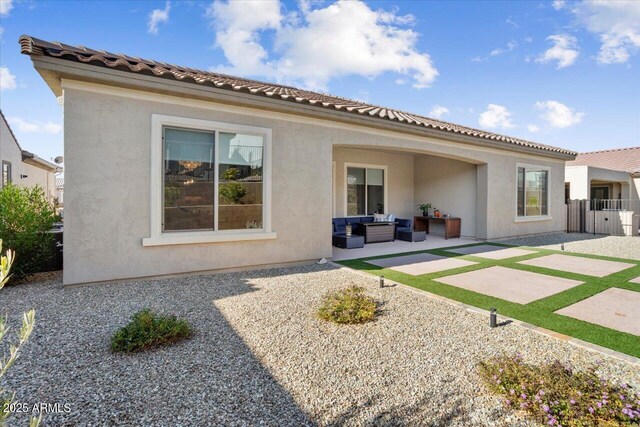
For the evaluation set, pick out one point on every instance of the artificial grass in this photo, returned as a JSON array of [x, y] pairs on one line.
[[539, 312]]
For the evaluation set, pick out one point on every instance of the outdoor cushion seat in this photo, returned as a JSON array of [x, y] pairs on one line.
[[403, 225], [411, 236], [342, 241], [339, 225]]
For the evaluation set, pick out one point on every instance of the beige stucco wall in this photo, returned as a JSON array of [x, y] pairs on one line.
[[450, 186], [38, 176], [107, 140], [399, 179], [10, 152]]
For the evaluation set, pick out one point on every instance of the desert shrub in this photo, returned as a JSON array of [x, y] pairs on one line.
[[26, 216], [348, 306], [148, 329], [555, 394]]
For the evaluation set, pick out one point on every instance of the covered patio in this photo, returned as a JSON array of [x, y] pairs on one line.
[[398, 247], [373, 180]]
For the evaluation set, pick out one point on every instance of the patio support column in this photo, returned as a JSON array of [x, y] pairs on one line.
[[482, 195]]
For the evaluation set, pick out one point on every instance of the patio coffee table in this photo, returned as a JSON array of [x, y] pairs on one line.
[[374, 232]]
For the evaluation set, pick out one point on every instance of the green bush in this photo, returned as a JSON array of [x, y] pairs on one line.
[[555, 394], [26, 216], [348, 306], [147, 329], [232, 192]]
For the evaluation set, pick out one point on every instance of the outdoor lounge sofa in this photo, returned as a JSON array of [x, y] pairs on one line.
[[340, 238], [403, 231]]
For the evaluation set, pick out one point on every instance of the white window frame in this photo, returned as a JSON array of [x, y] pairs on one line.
[[157, 236], [528, 166], [365, 166]]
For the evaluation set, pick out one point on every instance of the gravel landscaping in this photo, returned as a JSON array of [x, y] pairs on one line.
[[260, 356], [613, 246]]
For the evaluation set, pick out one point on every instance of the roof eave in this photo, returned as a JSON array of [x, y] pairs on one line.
[[34, 160], [55, 69]]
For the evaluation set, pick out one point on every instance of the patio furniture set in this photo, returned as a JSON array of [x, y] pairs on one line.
[[365, 230]]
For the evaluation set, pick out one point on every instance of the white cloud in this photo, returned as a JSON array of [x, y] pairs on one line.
[[559, 4], [438, 111], [5, 7], [496, 116], [533, 128], [617, 23], [157, 17], [511, 22], [7, 80], [564, 50], [35, 126], [499, 51], [557, 114], [313, 45]]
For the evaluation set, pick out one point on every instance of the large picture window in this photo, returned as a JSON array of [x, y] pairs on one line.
[[213, 183], [533, 191], [365, 190]]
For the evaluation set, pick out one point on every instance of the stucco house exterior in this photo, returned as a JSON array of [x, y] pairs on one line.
[[171, 169], [22, 167], [607, 174]]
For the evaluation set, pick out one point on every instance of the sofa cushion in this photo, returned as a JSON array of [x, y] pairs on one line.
[[353, 220], [339, 225], [404, 223], [366, 219]]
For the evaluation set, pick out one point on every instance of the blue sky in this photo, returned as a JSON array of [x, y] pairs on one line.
[[564, 73]]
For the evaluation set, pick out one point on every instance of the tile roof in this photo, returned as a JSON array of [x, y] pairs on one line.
[[36, 47], [620, 159]]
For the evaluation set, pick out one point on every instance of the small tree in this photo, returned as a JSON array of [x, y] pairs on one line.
[[26, 217], [28, 322]]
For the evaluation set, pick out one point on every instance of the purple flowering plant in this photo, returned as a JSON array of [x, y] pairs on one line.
[[557, 394]]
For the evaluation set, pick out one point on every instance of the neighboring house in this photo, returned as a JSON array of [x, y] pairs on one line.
[[23, 168], [608, 174], [171, 169], [60, 191]]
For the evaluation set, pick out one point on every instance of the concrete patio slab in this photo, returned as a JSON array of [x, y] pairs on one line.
[[573, 264], [418, 264], [397, 247], [510, 284], [492, 252], [614, 308], [636, 280]]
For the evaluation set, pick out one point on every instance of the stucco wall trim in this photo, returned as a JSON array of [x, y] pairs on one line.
[[534, 218], [348, 165], [157, 237]]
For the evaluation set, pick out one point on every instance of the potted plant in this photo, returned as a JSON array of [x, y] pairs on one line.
[[424, 208]]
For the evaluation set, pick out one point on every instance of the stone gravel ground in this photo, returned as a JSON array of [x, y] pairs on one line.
[[260, 357], [613, 246]]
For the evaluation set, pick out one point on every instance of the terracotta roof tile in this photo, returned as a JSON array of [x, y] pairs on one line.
[[35, 47], [620, 159]]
